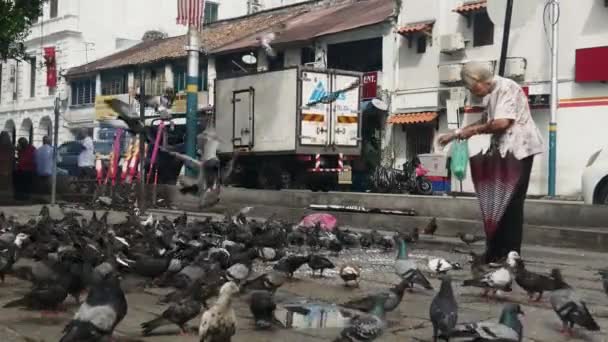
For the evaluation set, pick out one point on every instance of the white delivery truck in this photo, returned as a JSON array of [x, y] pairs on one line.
[[292, 128]]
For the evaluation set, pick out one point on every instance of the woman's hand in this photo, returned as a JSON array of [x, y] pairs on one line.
[[446, 138]]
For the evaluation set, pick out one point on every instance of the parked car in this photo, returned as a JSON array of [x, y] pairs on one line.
[[67, 157], [595, 178]]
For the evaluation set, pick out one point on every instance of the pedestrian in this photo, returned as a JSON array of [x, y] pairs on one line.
[[86, 158], [507, 139], [26, 167], [44, 164], [7, 163]]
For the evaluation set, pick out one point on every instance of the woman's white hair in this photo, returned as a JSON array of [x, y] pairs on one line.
[[475, 72]]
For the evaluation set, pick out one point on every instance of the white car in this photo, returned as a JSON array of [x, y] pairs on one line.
[[595, 178]]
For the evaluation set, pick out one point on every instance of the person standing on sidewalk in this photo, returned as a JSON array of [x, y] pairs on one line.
[[44, 164], [507, 140], [26, 167], [86, 158]]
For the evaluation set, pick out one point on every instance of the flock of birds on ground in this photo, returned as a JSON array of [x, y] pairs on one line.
[[206, 259]]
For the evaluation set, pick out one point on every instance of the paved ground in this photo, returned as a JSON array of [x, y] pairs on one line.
[[408, 323]]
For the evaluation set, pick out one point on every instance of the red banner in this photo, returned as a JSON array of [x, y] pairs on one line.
[[51, 67], [370, 85]]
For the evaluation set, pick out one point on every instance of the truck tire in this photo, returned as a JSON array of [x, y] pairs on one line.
[[602, 194]]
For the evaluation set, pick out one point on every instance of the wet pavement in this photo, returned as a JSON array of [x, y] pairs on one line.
[[409, 322]]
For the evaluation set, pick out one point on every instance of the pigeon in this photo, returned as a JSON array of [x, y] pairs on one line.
[[366, 327], [9, 253], [444, 310], [410, 237], [495, 280], [431, 227], [536, 283], [406, 268], [571, 310], [219, 322], [350, 273], [95, 320], [238, 272], [441, 266], [178, 313], [507, 329], [394, 297], [262, 306], [291, 264], [265, 41], [319, 263], [270, 254], [470, 238], [604, 275], [44, 296]]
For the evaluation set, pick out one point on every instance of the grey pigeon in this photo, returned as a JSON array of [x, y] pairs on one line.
[[407, 268], [508, 328], [101, 312], [394, 297], [571, 310], [444, 310], [238, 272], [178, 313], [262, 307], [366, 327]]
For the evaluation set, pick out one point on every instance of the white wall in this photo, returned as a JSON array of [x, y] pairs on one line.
[[582, 24]]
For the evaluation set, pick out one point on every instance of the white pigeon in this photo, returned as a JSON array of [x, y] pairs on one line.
[[219, 322], [265, 41], [148, 222], [440, 265], [496, 280]]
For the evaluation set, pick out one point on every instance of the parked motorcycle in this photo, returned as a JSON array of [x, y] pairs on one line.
[[410, 180]]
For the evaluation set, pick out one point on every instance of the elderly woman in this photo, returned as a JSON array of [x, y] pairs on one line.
[[500, 168]]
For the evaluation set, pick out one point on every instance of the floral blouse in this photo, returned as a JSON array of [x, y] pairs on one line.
[[522, 138]]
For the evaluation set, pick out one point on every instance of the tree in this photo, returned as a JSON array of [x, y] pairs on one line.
[[15, 23]]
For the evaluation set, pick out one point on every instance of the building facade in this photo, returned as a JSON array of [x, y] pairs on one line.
[[438, 36], [81, 32]]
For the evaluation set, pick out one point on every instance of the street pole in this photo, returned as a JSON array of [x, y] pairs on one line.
[[142, 144], [192, 94], [505, 38], [554, 96], [55, 147]]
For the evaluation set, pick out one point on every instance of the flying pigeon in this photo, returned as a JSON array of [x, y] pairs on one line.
[[440, 265], [406, 268], [265, 41]]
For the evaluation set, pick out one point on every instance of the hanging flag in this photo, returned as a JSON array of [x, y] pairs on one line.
[[51, 66], [191, 13]]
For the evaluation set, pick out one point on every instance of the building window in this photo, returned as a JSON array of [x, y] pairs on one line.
[[307, 55], [1, 66], [179, 78], [114, 84], [83, 92], [483, 29], [210, 12], [419, 139], [421, 44], [33, 77], [277, 63], [54, 8]]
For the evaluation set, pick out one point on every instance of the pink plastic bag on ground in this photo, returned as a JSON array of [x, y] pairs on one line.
[[327, 221]]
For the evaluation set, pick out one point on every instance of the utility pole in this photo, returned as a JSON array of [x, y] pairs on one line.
[[142, 144], [554, 96], [192, 93], [55, 147], [505, 38]]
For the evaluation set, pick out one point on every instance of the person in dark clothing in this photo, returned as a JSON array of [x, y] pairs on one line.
[[25, 170]]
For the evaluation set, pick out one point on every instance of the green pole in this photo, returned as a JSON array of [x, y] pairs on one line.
[[192, 95], [554, 98]]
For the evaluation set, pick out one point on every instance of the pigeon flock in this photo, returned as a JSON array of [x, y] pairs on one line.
[[208, 263]]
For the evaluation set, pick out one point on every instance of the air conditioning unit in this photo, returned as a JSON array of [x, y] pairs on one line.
[[450, 73], [451, 42], [515, 67]]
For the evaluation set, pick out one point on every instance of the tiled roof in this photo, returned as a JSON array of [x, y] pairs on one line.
[[412, 118], [425, 26], [321, 22], [469, 7]]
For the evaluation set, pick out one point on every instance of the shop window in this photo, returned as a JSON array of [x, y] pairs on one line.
[[421, 44], [483, 29]]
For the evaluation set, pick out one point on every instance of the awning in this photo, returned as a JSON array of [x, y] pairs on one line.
[[421, 27], [471, 7], [412, 118]]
